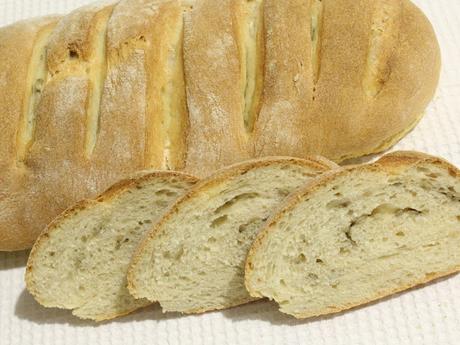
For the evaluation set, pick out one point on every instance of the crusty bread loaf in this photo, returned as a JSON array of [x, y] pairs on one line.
[[359, 234], [80, 261], [197, 85], [193, 259]]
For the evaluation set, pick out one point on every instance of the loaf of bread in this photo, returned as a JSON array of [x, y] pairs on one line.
[[193, 259], [358, 234], [80, 261], [195, 85]]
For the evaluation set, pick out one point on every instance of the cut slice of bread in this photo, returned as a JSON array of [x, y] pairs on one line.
[[358, 234], [80, 261], [193, 259]]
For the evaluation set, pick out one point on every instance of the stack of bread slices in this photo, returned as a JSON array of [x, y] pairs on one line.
[[312, 236]]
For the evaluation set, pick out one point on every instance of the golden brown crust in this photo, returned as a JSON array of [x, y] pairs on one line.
[[283, 127], [132, 132], [17, 43], [299, 115], [316, 97], [58, 170], [215, 92], [391, 162], [318, 163], [111, 193]]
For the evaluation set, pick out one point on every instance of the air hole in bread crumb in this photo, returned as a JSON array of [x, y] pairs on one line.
[[452, 189], [312, 276], [458, 218], [429, 245], [423, 170], [219, 221], [334, 286], [226, 205], [282, 282], [73, 54], [400, 234], [51, 253], [301, 258], [340, 203], [338, 194], [319, 261], [433, 175], [166, 192], [344, 250], [81, 288], [212, 240]]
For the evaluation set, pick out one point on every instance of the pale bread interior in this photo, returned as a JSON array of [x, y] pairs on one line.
[[193, 261], [359, 237], [80, 263]]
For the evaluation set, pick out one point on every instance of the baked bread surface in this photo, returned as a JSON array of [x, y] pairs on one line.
[[197, 85]]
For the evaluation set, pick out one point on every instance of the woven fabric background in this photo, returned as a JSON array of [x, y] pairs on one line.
[[429, 315]]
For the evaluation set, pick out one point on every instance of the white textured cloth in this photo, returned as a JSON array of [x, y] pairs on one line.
[[429, 315]]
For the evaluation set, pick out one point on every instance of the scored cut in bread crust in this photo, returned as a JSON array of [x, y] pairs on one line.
[[101, 211], [391, 164], [237, 186]]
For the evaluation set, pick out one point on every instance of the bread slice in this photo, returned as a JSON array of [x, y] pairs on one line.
[[193, 259], [359, 234], [80, 261]]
